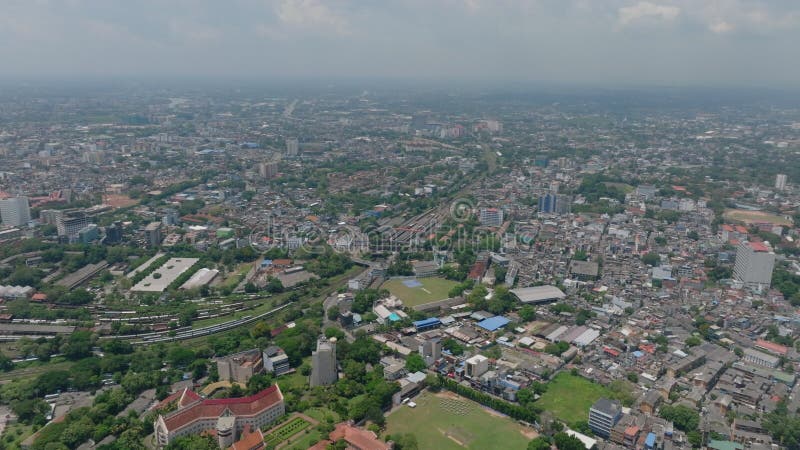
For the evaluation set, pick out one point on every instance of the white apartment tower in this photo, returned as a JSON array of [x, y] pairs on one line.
[[292, 147], [15, 211], [780, 181], [754, 264], [491, 217]]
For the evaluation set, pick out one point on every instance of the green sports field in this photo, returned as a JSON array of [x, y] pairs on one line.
[[432, 289], [449, 422], [569, 397], [751, 217]]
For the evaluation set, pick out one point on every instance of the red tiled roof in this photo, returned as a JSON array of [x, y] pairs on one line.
[[759, 247], [477, 270], [772, 347], [649, 348], [245, 406], [242, 400], [357, 437], [184, 397], [321, 445], [249, 440]]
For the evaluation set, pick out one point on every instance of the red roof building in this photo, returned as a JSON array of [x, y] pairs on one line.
[[358, 438], [250, 440], [772, 347], [227, 417], [181, 399], [477, 271]]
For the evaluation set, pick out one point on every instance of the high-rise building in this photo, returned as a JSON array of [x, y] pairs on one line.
[[89, 234], [292, 147], [754, 264], [603, 415], [152, 233], [780, 181], [268, 170], [554, 204], [491, 217], [323, 363], [15, 211], [69, 226], [547, 203], [114, 233], [171, 217], [50, 216]]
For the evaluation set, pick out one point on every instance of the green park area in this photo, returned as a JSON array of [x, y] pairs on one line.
[[569, 397], [446, 421], [285, 431], [430, 290]]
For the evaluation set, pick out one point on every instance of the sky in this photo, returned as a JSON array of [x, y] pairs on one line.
[[617, 42]]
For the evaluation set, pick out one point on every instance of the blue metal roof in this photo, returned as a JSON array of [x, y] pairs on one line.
[[493, 323], [427, 322], [651, 440]]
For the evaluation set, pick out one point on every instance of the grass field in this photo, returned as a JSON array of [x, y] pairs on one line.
[[311, 437], [34, 369], [234, 278], [569, 397], [448, 422], [15, 434], [322, 414], [432, 289], [626, 188], [750, 217]]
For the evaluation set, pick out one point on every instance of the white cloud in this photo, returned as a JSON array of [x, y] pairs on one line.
[[629, 14], [742, 16], [311, 14], [721, 27]]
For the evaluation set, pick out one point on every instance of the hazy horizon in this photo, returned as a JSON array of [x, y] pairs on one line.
[[615, 43]]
